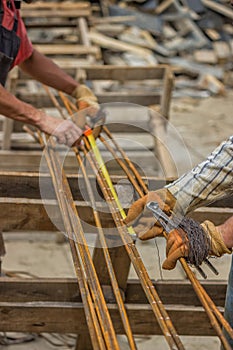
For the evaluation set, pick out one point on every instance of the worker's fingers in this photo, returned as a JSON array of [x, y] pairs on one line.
[[177, 247], [67, 133], [152, 233], [61, 139], [176, 238]]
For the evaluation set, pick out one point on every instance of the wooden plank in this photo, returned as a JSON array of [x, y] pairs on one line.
[[29, 160], [49, 317], [48, 49], [144, 99], [205, 56], [7, 131], [222, 51], [163, 6], [18, 184], [117, 45], [44, 13], [219, 8], [112, 72], [110, 19], [30, 214], [26, 185], [66, 290], [168, 84], [56, 5]]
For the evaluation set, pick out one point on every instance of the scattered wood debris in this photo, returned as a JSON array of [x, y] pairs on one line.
[[195, 37]]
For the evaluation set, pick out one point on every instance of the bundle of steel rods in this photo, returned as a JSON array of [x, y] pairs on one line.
[[100, 326]]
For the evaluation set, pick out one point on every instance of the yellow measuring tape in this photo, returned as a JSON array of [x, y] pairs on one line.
[[104, 170]]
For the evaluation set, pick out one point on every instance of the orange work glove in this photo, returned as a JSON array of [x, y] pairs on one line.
[[86, 99], [178, 244], [142, 219]]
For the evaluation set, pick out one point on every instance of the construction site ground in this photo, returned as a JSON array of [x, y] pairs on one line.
[[203, 124]]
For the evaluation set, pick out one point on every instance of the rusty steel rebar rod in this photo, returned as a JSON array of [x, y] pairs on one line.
[[96, 291], [68, 207], [91, 317], [161, 315], [206, 301], [111, 272], [103, 242]]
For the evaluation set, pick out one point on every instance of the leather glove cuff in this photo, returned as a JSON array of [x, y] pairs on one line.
[[217, 246], [82, 92]]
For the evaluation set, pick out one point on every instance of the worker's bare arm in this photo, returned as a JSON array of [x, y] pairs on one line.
[[13, 108], [65, 131], [226, 230], [47, 72]]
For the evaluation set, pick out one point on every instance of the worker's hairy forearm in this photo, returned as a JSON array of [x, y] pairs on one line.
[[47, 72], [208, 181], [226, 230], [15, 109]]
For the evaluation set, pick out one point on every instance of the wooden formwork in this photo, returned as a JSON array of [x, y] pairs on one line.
[[54, 305], [158, 98]]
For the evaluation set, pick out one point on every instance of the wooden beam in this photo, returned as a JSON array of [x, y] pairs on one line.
[[120, 73], [66, 290], [140, 98], [56, 5], [56, 317], [30, 214], [29, 160], [48, 49], [48, 13], [26, 184], [219, 8]]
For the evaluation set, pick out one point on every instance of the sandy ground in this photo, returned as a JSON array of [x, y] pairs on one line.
[[202, 124]]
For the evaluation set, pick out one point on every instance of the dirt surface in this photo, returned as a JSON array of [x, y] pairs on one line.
[[202, 124]]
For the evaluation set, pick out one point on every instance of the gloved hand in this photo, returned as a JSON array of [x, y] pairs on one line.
[[86, 99], [65, 131], [142, 219], [178, 244]]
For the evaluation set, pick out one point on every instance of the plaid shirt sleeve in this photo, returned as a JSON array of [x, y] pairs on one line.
[[208, 181]]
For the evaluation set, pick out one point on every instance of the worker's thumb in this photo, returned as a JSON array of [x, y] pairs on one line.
[[135, 211]]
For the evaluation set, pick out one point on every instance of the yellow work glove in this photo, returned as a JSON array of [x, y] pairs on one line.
[[142, 219], [86, 99], [178, 244]]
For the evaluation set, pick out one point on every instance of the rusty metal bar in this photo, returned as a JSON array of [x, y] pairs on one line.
[[138, 184], [162, 317], [91, 317], [103, 242], [206, 301]]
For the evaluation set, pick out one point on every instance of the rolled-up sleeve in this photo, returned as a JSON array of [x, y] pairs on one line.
[[208, 181]]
